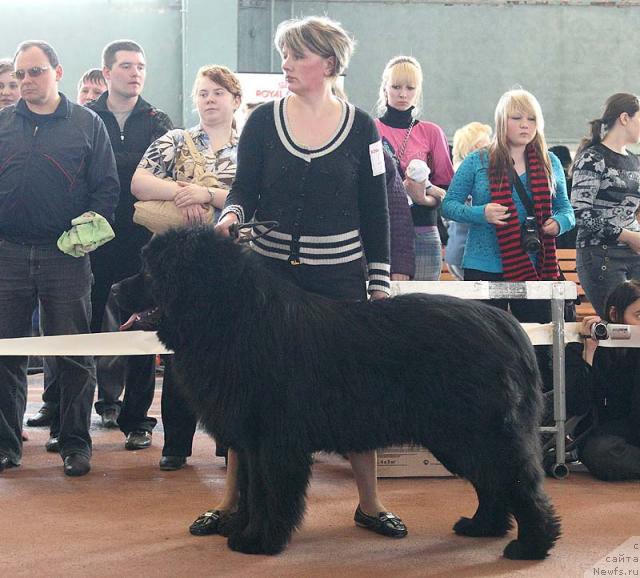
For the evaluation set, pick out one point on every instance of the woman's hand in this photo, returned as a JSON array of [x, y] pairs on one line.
[[551, 228], [375, 295], [587, 322], [222, 228], [436, 192], [399, 277], [193, 214], [631, 239], [420, 195], [415, 190], [590, 345], [496, 214], [218, 198], [191, 194]]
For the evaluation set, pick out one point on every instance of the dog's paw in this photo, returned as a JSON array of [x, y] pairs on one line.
[[252, 542], [517, 550], [471, 527]]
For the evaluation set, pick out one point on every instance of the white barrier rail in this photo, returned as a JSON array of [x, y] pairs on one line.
[[122, 343], [490, 289], [147, 342]]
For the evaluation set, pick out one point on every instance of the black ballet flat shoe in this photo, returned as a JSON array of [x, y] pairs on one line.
[[385, 523], [208, 523]]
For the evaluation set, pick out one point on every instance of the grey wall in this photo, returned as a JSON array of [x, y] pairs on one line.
[[178, 36], [572, 56]]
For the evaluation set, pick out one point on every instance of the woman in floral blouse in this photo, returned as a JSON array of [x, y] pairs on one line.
[[166, 172]]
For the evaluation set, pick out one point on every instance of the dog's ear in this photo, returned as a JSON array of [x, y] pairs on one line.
[[154, 251], [191, 267], [163, 266]]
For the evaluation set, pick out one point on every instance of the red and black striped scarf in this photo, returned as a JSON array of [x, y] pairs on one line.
[[516, 264]]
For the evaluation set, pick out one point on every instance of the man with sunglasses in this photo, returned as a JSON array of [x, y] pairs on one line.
[[133, 124], [56, 164]]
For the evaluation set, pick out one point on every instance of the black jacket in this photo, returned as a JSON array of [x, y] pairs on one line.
[[145, 124], [53, 168], [329, 192]]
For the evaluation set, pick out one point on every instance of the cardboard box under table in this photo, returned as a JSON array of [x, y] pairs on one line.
[[409, 461]]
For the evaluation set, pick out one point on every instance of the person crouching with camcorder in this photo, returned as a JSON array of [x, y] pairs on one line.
[[612, 450]]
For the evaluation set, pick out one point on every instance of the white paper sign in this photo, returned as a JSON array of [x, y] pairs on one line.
[[377, 158]]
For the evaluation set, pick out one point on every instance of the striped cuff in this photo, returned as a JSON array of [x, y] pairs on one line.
[[237, 210], [380, 277]]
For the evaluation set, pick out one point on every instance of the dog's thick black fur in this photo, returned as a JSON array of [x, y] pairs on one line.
[[278, 373]]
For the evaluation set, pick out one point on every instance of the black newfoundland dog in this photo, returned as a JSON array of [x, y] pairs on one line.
[[277, 374]]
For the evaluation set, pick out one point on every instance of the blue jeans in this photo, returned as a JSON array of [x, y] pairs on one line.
[[602, 268], [428, 254], [61, 284]]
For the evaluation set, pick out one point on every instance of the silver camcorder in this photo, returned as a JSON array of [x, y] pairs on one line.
[[601, 331]]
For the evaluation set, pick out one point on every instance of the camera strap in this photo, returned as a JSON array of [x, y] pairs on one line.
[[526, 200]]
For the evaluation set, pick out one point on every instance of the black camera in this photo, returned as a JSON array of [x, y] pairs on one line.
[[601, 331], [529, 239]]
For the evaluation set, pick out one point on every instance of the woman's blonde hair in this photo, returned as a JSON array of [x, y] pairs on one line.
[[320, 35], [466, 140], [518, 101], [400, 70]]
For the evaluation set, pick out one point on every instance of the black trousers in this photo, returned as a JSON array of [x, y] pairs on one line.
[[177, 418], [114, 261]]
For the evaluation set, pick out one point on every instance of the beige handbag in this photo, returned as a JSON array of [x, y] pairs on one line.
[[160, 216]]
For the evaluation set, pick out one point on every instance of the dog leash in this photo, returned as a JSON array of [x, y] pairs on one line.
[[234, 230]]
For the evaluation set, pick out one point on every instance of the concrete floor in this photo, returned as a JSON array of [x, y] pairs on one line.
[[128, 518]]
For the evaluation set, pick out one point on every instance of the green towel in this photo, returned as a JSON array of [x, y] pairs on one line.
[[88, 232]]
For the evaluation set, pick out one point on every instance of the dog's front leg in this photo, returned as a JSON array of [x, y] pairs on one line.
[[243, 535], [275, 501]]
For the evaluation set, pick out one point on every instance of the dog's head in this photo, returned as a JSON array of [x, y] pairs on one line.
[[191, 269]]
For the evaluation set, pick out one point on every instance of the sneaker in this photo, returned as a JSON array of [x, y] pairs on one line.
[[138, 440]]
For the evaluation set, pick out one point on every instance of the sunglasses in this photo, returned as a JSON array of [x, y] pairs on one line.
[[33, 72]]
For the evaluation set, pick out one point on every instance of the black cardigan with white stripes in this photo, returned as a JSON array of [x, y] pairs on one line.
[[331, 207]]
